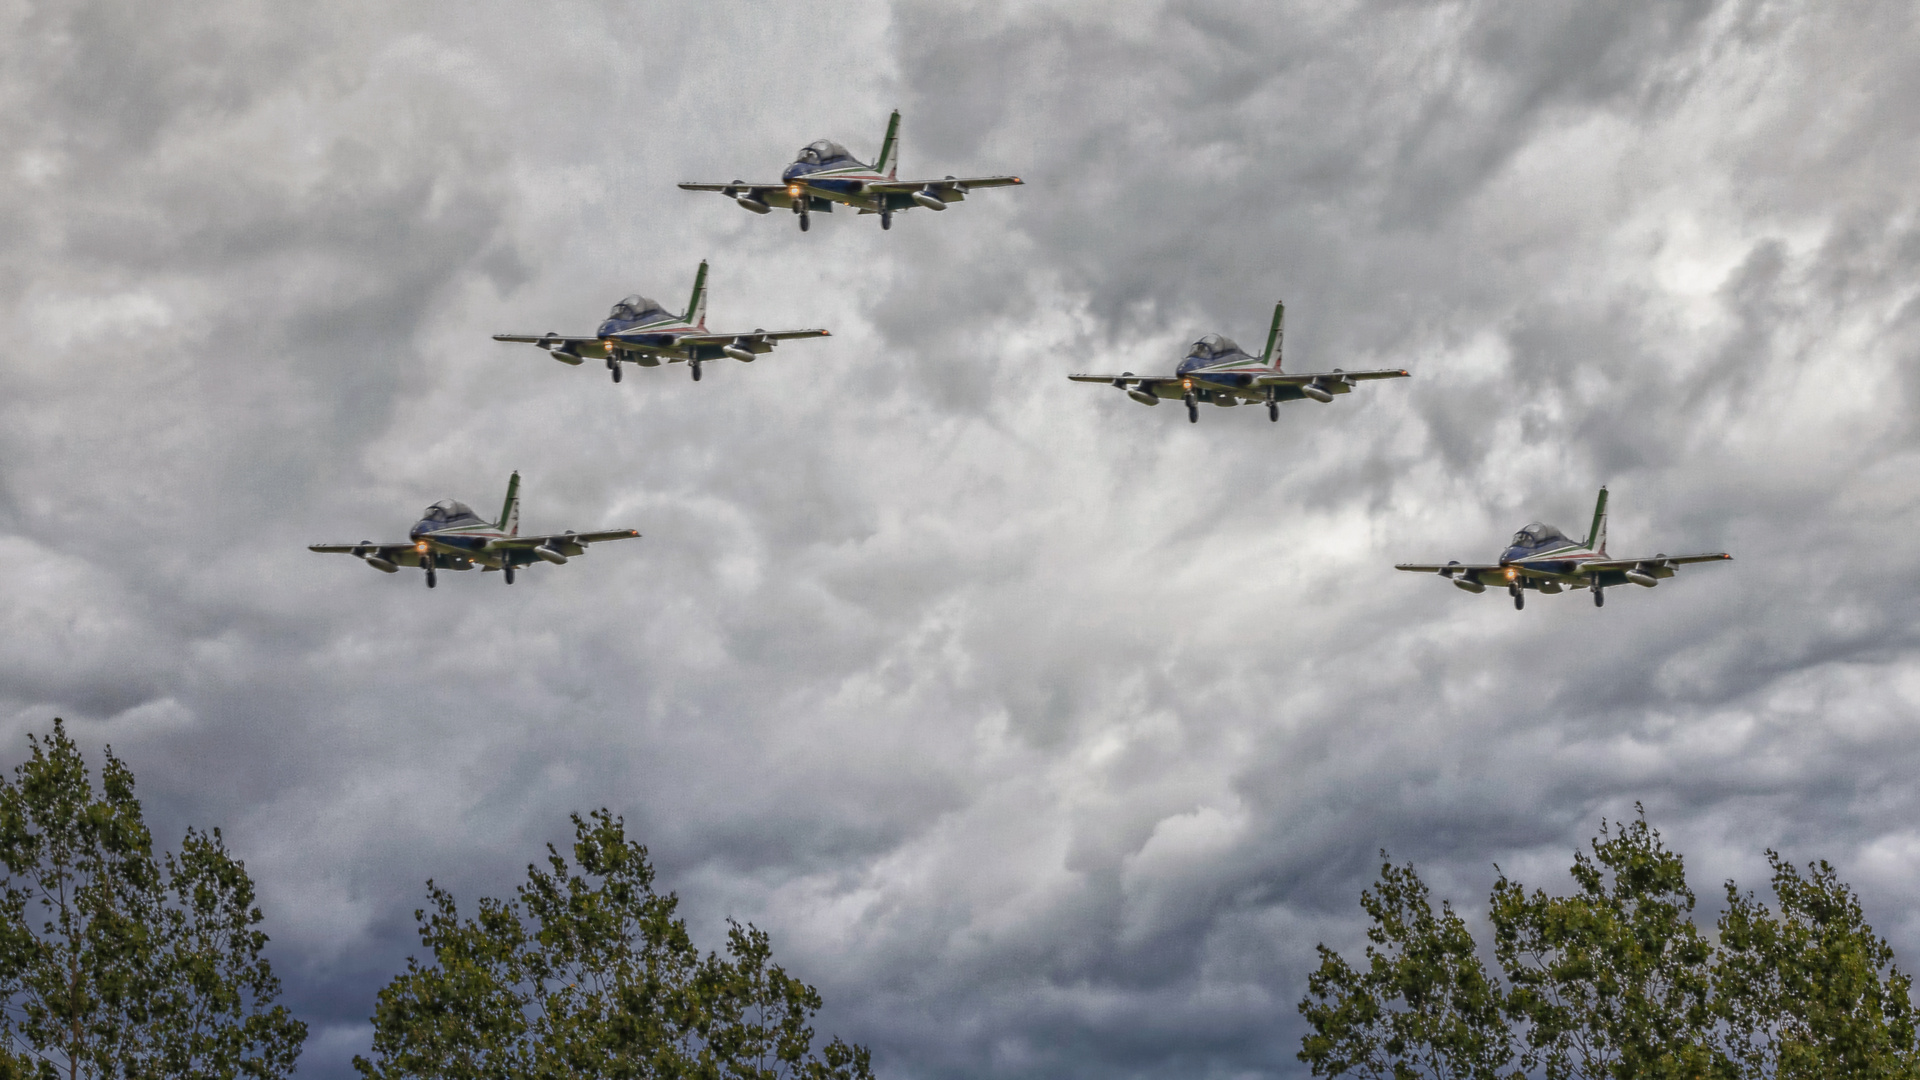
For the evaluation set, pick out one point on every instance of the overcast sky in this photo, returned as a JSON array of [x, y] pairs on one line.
[[1047, 733]]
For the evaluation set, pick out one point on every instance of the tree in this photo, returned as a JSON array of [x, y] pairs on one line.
[[1811, 992], [1612, 981], [1616, 981], [588, 973], [1424, 1006], [111, 964]]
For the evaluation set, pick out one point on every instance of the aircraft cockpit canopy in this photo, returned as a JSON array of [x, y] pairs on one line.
[[635, 308], [449, 512], [1215, 347], [1539, 534], [825, 152]]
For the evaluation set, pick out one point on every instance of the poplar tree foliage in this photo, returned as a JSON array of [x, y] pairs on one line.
[[114, 963], [587, 972], [1615, 981]]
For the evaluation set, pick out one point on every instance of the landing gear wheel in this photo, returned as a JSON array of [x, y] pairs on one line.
[[803, 222], [432, 582], [886, 219], [695, 365], [1599, 598], [1519, 600], [1273, 411], [507, 572], [615, 368], [1193, 410]]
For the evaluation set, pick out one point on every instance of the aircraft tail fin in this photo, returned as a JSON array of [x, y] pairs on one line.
[[697, 304], [1597, 532], [1274, 333], [509, 522], [889, 147]]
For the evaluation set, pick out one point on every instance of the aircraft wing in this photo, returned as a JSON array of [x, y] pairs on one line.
[[963, 183], [577, 345], [753, 338], [398, 554], [1287, 379], [1125, 377], [1484, 573], [561, 540], [773, 194], [1652, 561]]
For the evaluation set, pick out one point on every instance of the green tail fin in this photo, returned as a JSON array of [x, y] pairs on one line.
[[1272, 353], [888, 162], [1597, 532], [697, 304], [509, 522]]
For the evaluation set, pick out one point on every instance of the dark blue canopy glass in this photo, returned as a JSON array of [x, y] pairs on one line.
[[1539, 535], [825, 153], [448, 513], [636, 308]]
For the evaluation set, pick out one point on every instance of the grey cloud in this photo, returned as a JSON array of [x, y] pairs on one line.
[[1046, 732]]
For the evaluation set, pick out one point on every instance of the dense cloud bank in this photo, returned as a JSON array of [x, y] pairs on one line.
[[1047, 733]]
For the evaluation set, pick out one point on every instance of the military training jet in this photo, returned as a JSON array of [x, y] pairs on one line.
[[450, 536], [825, 173], [1544, 559], [1219, 371], [639, 331]]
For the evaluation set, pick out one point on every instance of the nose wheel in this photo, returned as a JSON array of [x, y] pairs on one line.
[[1519, 596], [1193, 410], [432, 582], [613, 368], [804, 224]]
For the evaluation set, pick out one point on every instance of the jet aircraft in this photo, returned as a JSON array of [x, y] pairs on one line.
[[450, 536], [639, 331], [1542, 558], [825, 174], [1219, 371]]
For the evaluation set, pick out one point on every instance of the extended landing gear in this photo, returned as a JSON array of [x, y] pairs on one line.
[[1519, 598], [432, 582], [1193, 410], [803, 221], [1599, 598], [695, 366], [886, 219], [507, 572], [613, 368], [1273, 411]]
